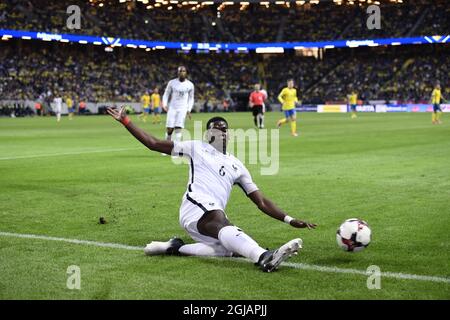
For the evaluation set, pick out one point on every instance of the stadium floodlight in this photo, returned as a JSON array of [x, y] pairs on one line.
[[26, 37], [160, 47], [329, 46], [97, 43], [81, 41], [395, 43], [270, 50]]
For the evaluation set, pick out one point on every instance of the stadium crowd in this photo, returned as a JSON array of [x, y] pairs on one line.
[[324, 21], [30, 70]]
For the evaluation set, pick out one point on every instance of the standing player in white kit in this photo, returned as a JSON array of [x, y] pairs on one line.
[[58, 106], [178, 101], [202, 213]]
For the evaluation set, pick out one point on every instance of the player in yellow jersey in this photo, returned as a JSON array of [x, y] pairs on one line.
[[436, 98], [288, 99], [145, 99], [155, 99], [352, 100], [70, 108]]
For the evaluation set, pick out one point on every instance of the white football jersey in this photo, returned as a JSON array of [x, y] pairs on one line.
[[58, 103], [179, 95], [212, 173]]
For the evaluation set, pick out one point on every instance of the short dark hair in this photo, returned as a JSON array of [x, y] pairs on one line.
[[215, 119]]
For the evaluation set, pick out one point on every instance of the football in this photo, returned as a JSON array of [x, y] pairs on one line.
[[353, 235]]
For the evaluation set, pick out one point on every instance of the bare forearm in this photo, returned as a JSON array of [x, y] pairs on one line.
[[146, 139], [271, 209]]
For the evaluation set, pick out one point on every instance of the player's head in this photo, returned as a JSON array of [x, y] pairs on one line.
[[217, 133], [290, 83], [437, 85], [182, 72], [257, 86], [156, 90]]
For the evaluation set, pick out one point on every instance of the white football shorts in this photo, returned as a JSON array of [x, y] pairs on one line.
[[193, 207], [176, 118]]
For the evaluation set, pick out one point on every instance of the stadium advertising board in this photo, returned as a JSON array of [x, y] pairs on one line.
[[445, 107], [332, 108], [364, 108], [306, 108]]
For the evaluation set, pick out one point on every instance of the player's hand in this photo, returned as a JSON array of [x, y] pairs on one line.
[[189, 115], [119, 115], [302, 224]]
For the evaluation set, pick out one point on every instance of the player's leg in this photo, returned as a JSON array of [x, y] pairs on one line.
[[170, 123], [283, 120], [353, 107], [154, 117], [255, 115], [439, 114], [263, 111], [180, 119], [260, 117], [215, 224], [158, 115], [294, 124]]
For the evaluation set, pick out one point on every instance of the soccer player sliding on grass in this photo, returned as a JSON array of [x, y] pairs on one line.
[[213, 172]]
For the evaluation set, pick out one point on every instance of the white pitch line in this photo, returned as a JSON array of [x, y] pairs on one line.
[[302, 266], [66, 153], [75, 241]]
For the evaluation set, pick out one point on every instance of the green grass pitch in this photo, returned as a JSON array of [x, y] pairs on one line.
[[56, 180]]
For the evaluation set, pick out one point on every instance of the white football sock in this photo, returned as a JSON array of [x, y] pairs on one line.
[[201, 249], [58, 117], [237, 241], [261, 121], [177, 136], [168, 136]]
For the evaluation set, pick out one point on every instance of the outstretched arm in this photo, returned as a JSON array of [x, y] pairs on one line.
[[269, 208], [146, 139]]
